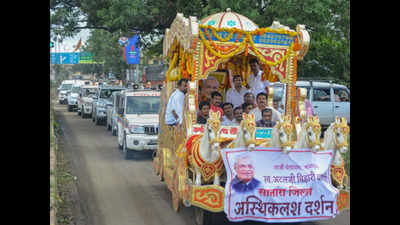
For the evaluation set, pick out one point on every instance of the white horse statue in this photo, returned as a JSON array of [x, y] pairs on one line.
[[203, 152], [308, 133], [246, 136], [282, 134], [335, 138]]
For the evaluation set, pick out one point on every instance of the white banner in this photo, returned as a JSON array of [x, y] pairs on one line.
[[268, 185]]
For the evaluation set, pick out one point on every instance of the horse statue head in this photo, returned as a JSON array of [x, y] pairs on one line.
[[282, 134], [335, 137], [309, 135], [212, 130], [248, 128], [341, 130]]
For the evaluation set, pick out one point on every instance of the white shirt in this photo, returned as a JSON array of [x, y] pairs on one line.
[[276, 115], [175, 102], [228, 122], [256, 84], [235, 97]]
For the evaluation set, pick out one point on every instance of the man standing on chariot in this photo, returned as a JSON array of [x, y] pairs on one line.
[[256, 84], [174, 111]]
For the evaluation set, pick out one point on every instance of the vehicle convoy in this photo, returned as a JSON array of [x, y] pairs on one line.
[[112, 114], [100, 104], [197, 161], [85, 100], [137, 121], [72, 97], [328, 100]]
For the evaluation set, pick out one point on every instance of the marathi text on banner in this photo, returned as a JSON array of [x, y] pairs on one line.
[[270, 186]]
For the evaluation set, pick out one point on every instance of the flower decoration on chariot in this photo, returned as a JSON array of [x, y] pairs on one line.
[[211, 22], [231, 23]]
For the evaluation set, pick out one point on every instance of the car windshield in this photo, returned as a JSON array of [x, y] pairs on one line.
[[107, 93], [75, 89], [88, 91], [66, 86], [142, 104]]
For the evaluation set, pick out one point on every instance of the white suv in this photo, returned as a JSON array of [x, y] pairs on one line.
[[327, 99], [137, 121]]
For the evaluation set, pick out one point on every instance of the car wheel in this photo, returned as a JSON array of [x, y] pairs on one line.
[[96, 121], [78, 112], [113, 132], [83, 115], [119, 146], [93, 117], [128, 154], [69, 108], [108, 127]]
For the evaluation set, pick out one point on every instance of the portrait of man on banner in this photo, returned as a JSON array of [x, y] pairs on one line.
[[244, 181]]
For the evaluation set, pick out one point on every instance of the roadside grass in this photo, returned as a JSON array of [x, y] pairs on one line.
[[65, 180], [61, 179]]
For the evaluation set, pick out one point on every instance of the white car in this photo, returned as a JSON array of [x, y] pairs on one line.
[[327, 99], [85, 100], [63, 90], [72, 97], [112, 113], [138, 126]]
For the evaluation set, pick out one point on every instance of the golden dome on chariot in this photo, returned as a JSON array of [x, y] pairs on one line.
[[199, 47], [229, 19]]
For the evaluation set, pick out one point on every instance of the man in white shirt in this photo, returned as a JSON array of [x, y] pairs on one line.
[[229, 119], [255, 82], [174, 111], [235, 95], [262, 104]]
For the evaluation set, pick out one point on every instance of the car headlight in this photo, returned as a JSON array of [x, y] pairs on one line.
[[136, 130]]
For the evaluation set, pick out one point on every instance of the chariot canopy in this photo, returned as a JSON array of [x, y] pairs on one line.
[[228, 40]]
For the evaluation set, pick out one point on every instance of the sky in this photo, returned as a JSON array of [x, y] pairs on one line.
[[68, 45]]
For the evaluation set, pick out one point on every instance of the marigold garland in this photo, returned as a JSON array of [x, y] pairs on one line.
[[218, 47], [258, 31], [237, 50], [172, 66], [244, 44]]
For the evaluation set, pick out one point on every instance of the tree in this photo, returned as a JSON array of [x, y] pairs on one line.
[[104, 47], [328, 22]]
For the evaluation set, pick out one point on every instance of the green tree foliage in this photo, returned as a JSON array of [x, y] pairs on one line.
[[328, 22]]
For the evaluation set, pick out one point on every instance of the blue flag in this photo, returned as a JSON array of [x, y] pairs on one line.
[[132, 51]]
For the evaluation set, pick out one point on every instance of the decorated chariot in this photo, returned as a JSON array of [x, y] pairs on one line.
[[189, 157]]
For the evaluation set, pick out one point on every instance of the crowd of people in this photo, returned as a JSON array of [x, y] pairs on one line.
[[252, 99]]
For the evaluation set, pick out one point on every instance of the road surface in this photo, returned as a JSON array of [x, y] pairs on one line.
[[115, 191]]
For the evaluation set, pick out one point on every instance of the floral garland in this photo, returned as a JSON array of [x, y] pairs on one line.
[[171, 66], [259, 55], [258, 31], [244, 43], [216, 53], [222, 48]]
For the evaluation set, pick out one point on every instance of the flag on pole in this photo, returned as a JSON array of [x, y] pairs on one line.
[[78, 45]]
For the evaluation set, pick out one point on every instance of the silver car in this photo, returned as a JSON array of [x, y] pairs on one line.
[[327, 99]]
